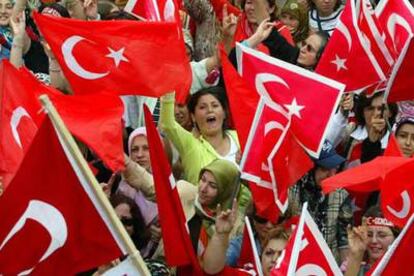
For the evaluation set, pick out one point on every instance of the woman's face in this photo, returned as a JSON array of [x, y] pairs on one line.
[[373, 111], [6, 8], [249, 11], [270, 254], [140, 152], [182, 116], [405, 138], [123, 211], [308, 52], [379, 239], [263, 227], [291, 22], [325, 7], [209, 115], [207, 189]]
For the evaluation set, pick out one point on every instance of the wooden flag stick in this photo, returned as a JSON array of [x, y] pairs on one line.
[[94, 185]]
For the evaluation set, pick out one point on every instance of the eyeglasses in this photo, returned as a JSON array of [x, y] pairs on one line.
[[127, 221], [308, 47]]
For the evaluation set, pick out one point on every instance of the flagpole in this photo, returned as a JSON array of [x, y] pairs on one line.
[[93, 183]]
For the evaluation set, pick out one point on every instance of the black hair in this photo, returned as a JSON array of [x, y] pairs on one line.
[[336, 7], [271, 3], [57, 7], [141, 235], [363, 101], [119, 15], [324, 41], [217, 92], [403, 121]]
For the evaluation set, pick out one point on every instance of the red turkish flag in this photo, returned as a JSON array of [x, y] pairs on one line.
[[154, 10], [364, 178], [397, 194], [347, 52], [50, 218], [123, 57], [218, 8], [397, 19], [393, 148], [248, 252], [398, 258], [293, 91], [177, 244], [19, 119], [95, 120], [306, 252], [373, 32], [401, 82]]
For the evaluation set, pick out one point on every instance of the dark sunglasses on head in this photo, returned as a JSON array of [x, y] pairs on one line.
[[127, 221], [259, 219]]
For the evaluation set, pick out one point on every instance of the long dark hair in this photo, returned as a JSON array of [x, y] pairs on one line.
[[141, 235], [364, 101]]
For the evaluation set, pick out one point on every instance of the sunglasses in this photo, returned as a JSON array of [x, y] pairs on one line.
[[259, 219], [127, 221]]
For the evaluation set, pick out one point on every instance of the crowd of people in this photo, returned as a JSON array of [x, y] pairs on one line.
[[203, 148]]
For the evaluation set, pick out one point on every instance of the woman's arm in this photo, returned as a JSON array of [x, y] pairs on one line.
[[21, 41], [214, 259], [138, 178], [357, 237]]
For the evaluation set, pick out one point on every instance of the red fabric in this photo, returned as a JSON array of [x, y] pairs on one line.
[[19, 119], [398, 259], [397, 19], [382, 49], [154, 10], [290, 86], [401, 80], [347, 46], [247, 251], [397, 194], [393, 148], [218, 8], [48, 181], [177, 244], [147, 57], [314, 255], [98, 125]]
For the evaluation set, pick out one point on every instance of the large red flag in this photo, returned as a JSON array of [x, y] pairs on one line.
[[397, 19], [306, 252], [397, 194], [123, 57], [401, 82], [95, 120], [154, 10], [51, 221], [398, 258], [19, 119], [373, 32], [347, 52], [293, 90], [177, 244]]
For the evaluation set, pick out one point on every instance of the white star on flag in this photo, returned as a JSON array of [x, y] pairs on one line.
[[118, 56], [294, 108], [340, 63]]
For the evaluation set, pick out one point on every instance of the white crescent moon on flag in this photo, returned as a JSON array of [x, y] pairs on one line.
[[310, 269], [406, 206], [72, 63], [344, 30], [260, 80], [17, 115], [394, 20], [267, 128], [51, 219]]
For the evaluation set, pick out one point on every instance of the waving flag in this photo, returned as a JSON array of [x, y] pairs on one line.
[[347, 52], [19, 119], [397, 194], [306, 252], [397, 19], [49, 199], [127, 58], [248, 251], [400, 84]]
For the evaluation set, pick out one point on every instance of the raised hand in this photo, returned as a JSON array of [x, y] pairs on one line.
[[229, 23], [357, 240], [225, 219], [18, 25], [91, 9]]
